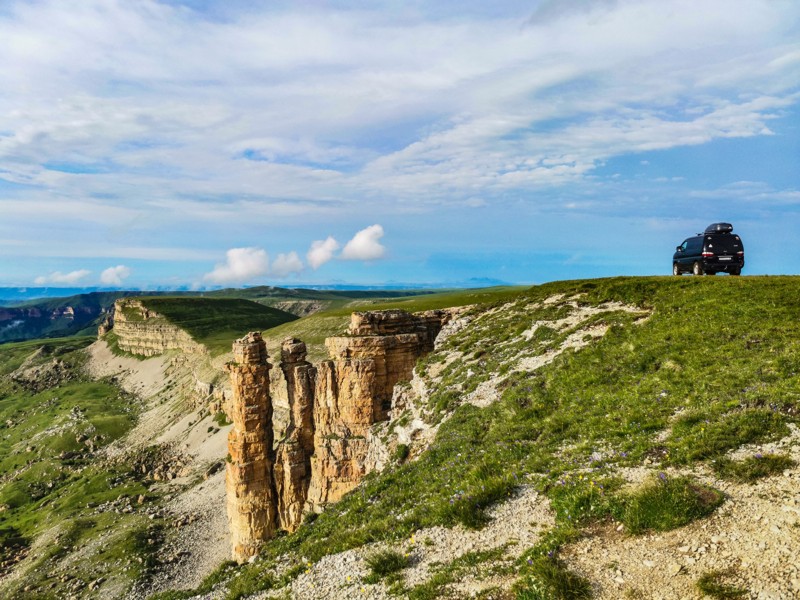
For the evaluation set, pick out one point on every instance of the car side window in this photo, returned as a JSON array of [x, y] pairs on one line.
[[683, 246]]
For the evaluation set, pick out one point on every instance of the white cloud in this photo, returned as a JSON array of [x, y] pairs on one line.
[[365, 245], [321, 251], [114, 275], [241, 265], [57, 277], [285, 264]]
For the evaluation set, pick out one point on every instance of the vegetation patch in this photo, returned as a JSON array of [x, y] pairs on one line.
[[753, 468], [385, 562], [666, 503], [713, 584], [548, 578]]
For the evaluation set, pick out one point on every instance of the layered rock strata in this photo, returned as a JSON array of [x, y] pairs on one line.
[[293, 456], [354, 391], [145, 332], [251, 497], [331, 407]]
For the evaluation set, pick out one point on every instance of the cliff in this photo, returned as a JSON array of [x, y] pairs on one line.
[[331, 409], [143, 331], [248, 477]]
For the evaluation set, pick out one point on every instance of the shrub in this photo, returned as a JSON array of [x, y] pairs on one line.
[[401, 453]]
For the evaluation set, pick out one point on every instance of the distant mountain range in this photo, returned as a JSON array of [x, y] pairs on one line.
[[11, 296]]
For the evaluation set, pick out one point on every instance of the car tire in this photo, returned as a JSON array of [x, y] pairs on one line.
[[697, 269], [736, 272], [675, 269]]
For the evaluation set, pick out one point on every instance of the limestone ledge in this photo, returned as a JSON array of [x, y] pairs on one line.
[[144, 332]]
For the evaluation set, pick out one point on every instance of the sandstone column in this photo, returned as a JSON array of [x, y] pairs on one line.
[[248, 478], [293, 457]]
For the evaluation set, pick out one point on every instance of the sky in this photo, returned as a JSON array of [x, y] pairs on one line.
[[205, 143]]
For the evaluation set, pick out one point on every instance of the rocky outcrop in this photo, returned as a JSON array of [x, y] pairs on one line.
[[293, 460], [145, 332], [331, 408], [251, 499], [354, 391]]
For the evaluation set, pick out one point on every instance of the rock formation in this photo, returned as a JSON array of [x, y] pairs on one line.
[[331, 408], [293, 458], [354, 391], [249, 481], [147, 333]]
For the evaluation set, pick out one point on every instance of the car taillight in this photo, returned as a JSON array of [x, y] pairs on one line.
[[740, 253], [707, 254]]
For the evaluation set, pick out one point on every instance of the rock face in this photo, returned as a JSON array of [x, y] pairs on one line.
[[147, 333], [331, 408], [249, 484], [354, 391], [293, 461]]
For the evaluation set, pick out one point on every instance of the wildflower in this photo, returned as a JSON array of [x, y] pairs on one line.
[[530, 562], [759, 455], [662, 476]]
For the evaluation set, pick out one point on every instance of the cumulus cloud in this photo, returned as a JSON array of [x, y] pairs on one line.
[[365, 245], [241, 265], [57, 277], [114, 275], [321, 251], [285, 264]]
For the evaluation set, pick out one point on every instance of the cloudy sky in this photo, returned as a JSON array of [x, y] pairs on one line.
[[209, 143]]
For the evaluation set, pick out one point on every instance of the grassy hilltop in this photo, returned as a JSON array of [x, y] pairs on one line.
[[562, 389], [698, 368]]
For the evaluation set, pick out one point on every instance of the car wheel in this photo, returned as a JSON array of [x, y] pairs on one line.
[[675, 269], [736, 272], [697, 269]]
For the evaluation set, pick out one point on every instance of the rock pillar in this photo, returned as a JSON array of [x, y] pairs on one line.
[[248, 478], [293, 457]]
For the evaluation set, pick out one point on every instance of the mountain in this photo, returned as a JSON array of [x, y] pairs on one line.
[[611, 438]]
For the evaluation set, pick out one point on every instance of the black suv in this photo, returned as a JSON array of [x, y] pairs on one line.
[[717, 250]]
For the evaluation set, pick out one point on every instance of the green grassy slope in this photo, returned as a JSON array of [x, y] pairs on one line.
[[50, 479], [216, 322], [714, 366]]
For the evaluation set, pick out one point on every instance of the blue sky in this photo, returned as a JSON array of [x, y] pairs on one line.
[[202, 143]]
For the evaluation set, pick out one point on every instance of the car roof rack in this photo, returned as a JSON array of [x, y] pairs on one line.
[[719, 228]]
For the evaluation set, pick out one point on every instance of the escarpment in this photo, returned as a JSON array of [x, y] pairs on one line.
[[144, 332], [323, 454]]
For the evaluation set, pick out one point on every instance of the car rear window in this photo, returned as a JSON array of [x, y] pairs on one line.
[[729, 243]]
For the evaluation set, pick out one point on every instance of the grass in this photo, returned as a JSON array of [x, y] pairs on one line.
[[385, 562], [753, 468], [666, 503], [712, 584], [217, 322], [50, 479], [548, 578]]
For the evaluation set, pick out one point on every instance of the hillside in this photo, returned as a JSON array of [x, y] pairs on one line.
[[211, 322], [628, 437], [80, 314]]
